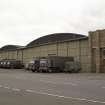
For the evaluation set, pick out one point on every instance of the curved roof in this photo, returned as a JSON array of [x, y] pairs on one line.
[[10, 47], [54, 38]]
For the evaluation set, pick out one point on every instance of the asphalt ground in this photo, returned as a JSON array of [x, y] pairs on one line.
[[20, 87]]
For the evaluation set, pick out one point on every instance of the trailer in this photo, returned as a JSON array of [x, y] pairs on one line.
[[72, 67], [53, 63]]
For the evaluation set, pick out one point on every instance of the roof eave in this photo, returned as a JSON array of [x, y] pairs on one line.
[[69, 40]]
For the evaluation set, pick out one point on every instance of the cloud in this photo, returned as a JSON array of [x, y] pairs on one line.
[[26, 20]]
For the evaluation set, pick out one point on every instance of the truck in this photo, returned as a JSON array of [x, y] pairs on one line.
[[33, 65], [72, 67], [11, 63], [53, 63]]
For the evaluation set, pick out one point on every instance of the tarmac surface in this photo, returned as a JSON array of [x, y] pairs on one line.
[[20, 87]]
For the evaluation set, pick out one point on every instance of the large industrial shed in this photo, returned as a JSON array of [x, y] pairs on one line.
[[88, 50], [10, 51], [58, 44]]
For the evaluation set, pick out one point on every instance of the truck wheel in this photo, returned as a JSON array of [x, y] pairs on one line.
[[37, 70], [12, 67], [33, 70], [50, 71], [40, 71]]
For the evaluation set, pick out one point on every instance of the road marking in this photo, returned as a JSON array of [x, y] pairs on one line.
[[47, 89], [70, 84], [65, 97], [31, 91], [58, 83], [7, 87], [15, 89]]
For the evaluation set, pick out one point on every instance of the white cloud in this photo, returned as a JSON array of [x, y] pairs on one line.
[[21, 21]]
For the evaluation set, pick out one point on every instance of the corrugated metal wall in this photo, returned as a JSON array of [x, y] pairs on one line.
[[79, 49]]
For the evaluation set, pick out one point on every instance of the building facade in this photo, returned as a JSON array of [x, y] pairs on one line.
[[97, 49], [89, 51]]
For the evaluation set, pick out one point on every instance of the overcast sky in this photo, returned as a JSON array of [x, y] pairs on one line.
[[22, 21]]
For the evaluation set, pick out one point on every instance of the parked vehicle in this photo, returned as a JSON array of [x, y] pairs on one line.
[[33, 65], [72, 67], [14, 64], [28, 65], [53, 63], [2, 63], [11, 63]]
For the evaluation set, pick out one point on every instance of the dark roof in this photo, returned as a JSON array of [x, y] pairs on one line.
[[10, 47], [57, 37]]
